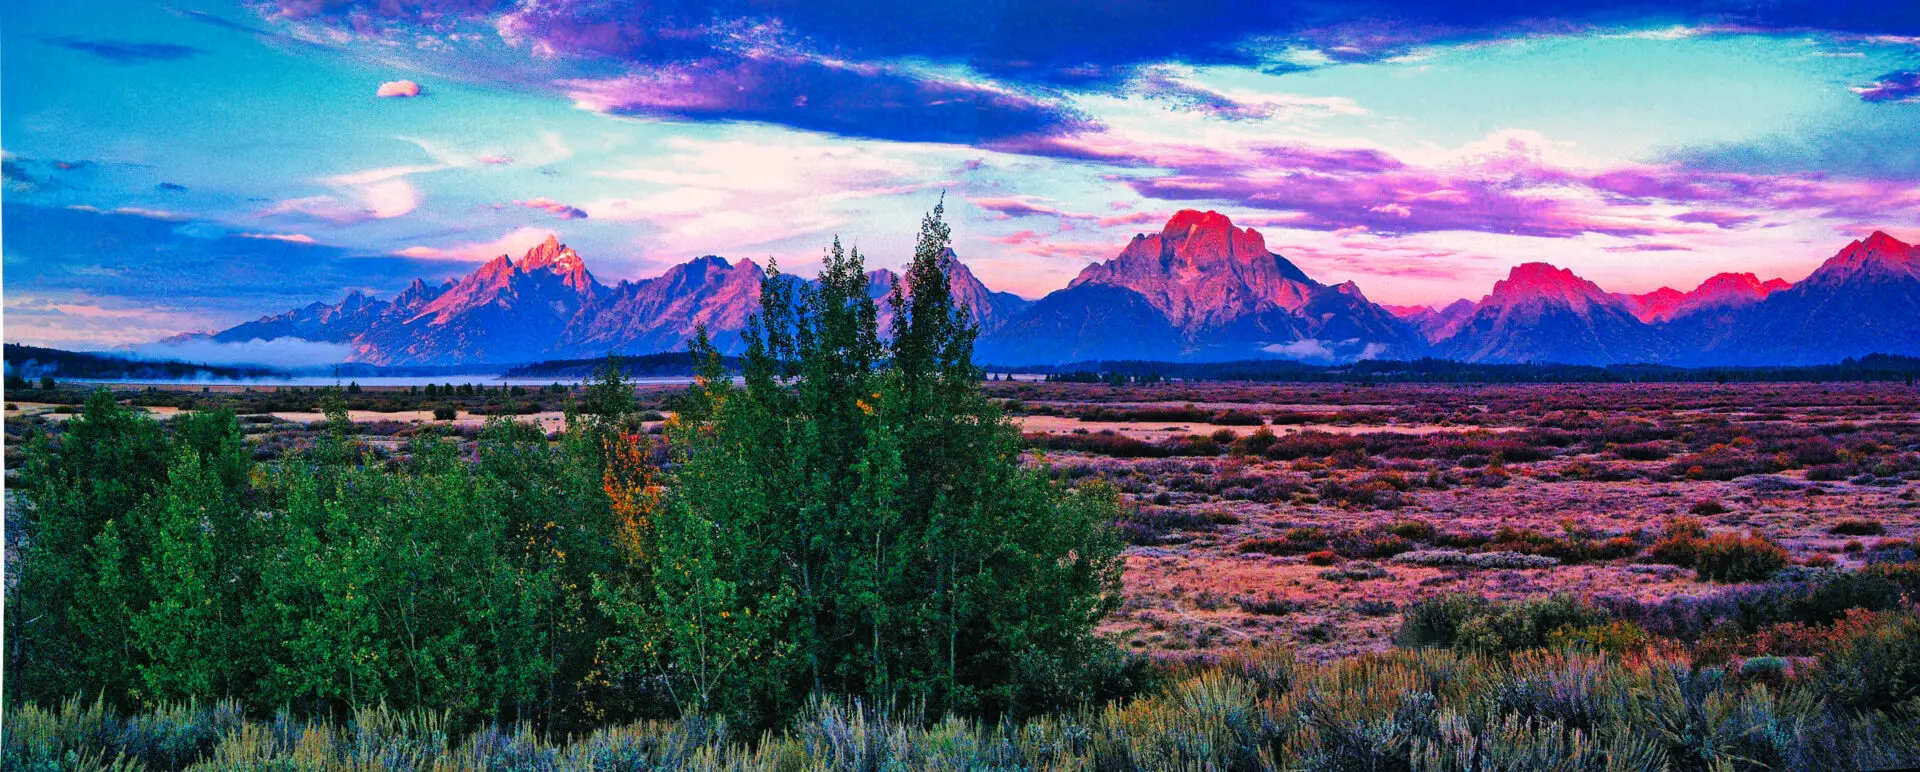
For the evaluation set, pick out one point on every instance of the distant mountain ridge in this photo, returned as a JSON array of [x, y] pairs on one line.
[[1199, 290]]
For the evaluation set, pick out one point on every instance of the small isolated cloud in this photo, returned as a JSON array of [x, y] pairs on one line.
[[290, 238], [1896, 87], [398, 88], [171, 187], [125, 51], [278, 352], [555, 208]]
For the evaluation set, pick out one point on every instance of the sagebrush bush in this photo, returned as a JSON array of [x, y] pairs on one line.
[[1855, 526], [1730, 557]]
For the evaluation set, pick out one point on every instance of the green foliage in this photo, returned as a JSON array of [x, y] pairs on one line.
[[854, 520], [1471, 623], [913, 559], [1401, 710], [1729, 557]]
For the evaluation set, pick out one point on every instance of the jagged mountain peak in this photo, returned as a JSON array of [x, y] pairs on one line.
[[1878, 255], [1721, 290], [1201, 272], [1543, 282]]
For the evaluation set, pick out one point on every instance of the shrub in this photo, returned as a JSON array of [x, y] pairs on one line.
[[1254, 444], [1642, 451], [1358, 571], [1417, 530], [1296, 541], [1615, 637], [444, 413], [1874, 665], [1728, 557], [1313, 445], [1476, 559], [1323, 558], [1680, 544], [1707, 508], [1236, 418], [1475, 624], [1857, 527], [1268, 605]]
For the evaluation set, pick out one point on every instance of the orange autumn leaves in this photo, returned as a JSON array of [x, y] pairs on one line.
[[635, 494]]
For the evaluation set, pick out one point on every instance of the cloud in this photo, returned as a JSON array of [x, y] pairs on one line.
[[1022, 206], [290, 238], [709, 196], [555, 208], [398, 88], [133, 211], [1717, 218], [1898, 87], [1503, 184], [171, 187], [191, 274], [1305, 348], [1132, 218], [513, 243], [125, 51], [856, 100], [1649, 246], [1170, 85], [278, 352], [374, 194], [1072, 43]]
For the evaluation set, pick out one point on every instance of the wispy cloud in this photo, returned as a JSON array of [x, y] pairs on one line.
[[126, 51], [1899, 87], [555, 208]]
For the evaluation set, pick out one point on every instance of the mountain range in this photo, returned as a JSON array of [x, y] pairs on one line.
[[1199, 290]]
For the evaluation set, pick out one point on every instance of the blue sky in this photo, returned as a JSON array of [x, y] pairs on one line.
[[187, 167]]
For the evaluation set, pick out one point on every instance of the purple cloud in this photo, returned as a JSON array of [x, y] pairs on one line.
[[1022, 206], [125, 51], [1899, 87], [555, 208], [1511, 192], [1717, 218], [859, 100]]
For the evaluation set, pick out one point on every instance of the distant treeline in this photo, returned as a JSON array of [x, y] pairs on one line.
[[1875, 367], [644, 366], [34, 362]]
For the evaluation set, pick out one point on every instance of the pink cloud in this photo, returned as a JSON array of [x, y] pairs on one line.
[[398, 88], [1510, 190], [555, 208], [514, 242], [291, 238], [1132, 218]]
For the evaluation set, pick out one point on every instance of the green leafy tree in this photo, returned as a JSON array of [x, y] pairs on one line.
[[105, 464], [185, 631]]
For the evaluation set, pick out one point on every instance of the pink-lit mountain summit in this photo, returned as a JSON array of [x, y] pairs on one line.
[[1200, 289]]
